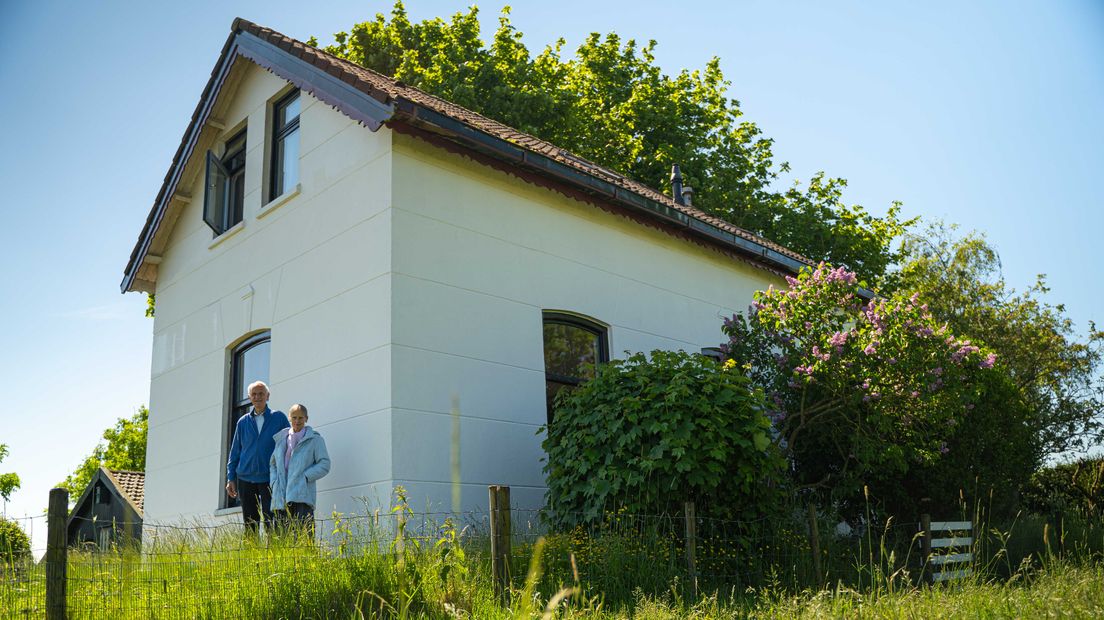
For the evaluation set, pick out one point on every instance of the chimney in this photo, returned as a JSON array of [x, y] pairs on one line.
[[676, 184], [688, 196]]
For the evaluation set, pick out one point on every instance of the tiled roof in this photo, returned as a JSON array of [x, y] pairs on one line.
[[384, 89], [132, 484], [403, 103]]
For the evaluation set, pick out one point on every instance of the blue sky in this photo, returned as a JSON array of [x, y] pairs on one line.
[[987, 114]]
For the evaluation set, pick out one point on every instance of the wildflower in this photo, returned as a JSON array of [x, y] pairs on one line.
[[729, 364]]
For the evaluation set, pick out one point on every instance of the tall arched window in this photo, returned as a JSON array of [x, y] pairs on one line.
[[573, 346], [248, 363]]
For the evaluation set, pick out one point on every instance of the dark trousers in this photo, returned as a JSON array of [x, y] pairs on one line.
[[296, 519], [256, 499]]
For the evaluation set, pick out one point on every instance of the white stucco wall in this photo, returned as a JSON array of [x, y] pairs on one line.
[[315, 271], [401, 276], [477, 256]]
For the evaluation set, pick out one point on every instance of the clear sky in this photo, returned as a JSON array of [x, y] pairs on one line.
[[988, 114]]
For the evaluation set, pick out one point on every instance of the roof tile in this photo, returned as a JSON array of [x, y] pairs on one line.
[[385, 89]]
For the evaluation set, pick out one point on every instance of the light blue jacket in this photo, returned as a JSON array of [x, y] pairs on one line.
[[309, 462]]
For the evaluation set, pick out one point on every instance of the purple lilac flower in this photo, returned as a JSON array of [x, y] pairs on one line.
[[837, 341], [943, 449], [988, 361], [870, 349]]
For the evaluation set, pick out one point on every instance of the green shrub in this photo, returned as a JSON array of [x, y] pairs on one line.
[[650, 432], [1076, 487], [14, 544]]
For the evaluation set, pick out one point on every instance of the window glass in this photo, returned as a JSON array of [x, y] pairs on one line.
[[249, 362], [285, 146], [570, 350], [573, 346], [289, 111], [289, 162], [224, 198], [252, 365]]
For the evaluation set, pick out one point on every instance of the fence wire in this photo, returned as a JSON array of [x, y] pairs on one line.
[[217, 570]]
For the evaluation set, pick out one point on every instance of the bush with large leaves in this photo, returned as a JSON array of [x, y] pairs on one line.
[[650, 432]]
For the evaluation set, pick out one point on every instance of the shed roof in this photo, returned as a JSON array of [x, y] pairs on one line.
[[132, 484], [374, 99]]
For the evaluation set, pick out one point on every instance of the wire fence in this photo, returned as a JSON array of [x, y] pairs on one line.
[[197, 570]]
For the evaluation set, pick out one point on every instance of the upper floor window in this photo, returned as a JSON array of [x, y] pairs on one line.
[[248, 363], [285, 145], [224, 196], [573, 346]]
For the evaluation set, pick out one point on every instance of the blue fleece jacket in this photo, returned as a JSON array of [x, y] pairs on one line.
[[250, 450]]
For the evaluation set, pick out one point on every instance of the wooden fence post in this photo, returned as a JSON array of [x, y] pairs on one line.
[[691, 546], [500, 540], [55, 554], [925, 547], [814, 543]]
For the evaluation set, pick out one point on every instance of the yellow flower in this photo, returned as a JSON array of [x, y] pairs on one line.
[[729, 364]]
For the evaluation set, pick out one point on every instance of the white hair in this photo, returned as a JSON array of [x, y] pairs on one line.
[[255, 384]]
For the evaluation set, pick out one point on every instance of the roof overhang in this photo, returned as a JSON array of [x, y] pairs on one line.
[[373, 107]]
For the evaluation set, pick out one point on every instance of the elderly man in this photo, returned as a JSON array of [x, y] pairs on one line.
[[247, 467]]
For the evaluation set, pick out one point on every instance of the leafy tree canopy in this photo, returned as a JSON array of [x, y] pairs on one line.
[[611, 104], [125, 448], [15, 546], [1058, 375], [8, 482], [857, 389]]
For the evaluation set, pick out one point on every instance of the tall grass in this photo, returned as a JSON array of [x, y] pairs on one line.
[[629, 566]]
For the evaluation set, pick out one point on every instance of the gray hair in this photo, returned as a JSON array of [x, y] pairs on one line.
[[255, 384], [300, 407]]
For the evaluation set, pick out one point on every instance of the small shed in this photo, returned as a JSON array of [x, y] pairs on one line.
[[109, 511]]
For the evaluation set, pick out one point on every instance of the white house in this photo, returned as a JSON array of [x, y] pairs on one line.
[[384, 257]]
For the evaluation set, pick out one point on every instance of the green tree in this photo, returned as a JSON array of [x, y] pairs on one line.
[[8, 482], [1056, 373], [125, 448], [15, 546], [859, 391], [611, 104]]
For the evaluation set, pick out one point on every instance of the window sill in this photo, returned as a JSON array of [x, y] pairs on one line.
[[228, 511], [229, 232], [279, 201]]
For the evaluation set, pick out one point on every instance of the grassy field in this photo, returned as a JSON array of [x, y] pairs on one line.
[[1028, 571]]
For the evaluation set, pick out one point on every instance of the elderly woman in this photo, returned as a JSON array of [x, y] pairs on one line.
[[299, 460]]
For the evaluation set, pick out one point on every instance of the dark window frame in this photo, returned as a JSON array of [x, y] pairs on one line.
[[601, 331], [238, 406], [279, 135], [224, 186]]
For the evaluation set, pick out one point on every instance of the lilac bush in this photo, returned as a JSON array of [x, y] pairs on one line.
[[855, 386]]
